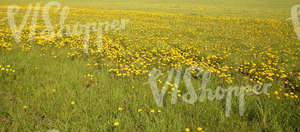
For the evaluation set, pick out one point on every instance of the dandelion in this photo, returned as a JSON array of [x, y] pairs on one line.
[[276, 93], [286, 94], [152, 111], [187, 129], [158, 111], [72, 102], [116, 124], [277, 97], [140, 110], [53, 90], [199, 129], [25, 106], [120, 108]]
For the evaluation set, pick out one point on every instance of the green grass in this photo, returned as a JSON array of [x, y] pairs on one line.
[[97, 105], [254, 8], [96, 102]]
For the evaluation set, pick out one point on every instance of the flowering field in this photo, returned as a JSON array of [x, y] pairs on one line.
[[62, 82]]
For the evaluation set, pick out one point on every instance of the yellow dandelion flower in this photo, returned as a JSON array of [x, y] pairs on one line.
[[152, 111], [199, 129], [179, 95], [286, 94], [72, 102], [25, 106], [187, 129], [120, 108], [140, 110], [116, 123], [53, 90]]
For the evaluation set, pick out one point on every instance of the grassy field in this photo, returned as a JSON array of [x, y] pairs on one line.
[[53, 84]]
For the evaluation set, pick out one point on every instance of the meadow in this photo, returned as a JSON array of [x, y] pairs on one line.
[[54, 84]]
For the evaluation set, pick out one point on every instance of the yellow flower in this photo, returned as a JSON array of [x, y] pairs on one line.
[[187, 129], [53, 90], [199, 129], [152, 111], [120, 108], [72, 102], [116, 124], [296, 96], [158, 111], [179, 95], [286, 94], [55, 57], [140, 110], [277, 97], [25, 106], [276, 93]]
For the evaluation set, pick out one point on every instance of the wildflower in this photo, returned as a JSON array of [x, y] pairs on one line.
[[158, 111], [140, 110], [187, 129], [277, 97], [25, 106], [199, 129], [276, 93], [72, 102], [120, 108], [152, 111], [179, 95], [286, 94], [116, 124], [53, 90]]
